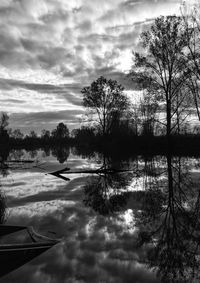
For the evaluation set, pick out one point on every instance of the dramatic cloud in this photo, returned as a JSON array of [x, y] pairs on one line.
[[50, 49]]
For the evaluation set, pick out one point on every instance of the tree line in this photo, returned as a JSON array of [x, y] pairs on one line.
[[60, 133], [166, 73]]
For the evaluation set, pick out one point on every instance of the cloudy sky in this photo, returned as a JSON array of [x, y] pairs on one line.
[[50, 49]]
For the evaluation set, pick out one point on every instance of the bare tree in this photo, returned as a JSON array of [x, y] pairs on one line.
[[191, 23], [162, 66], [148, 110]]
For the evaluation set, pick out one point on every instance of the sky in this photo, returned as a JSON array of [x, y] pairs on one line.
[[51, 49]]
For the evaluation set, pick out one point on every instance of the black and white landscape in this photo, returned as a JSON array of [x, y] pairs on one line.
[[99, 141]]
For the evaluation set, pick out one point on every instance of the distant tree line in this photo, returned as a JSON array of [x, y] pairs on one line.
[[57, 135]]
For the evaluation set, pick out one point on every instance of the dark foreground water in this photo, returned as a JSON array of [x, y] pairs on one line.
[[140, 223]]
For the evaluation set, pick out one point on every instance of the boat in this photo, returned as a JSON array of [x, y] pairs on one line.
[[8, 229], [12, 256]]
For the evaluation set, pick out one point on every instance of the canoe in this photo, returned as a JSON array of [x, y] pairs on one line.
[[12, 256], [8, 229]]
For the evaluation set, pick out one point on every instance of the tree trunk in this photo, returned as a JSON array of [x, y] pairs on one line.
[[168, 118], [178, 114], [170, 183], [168, 125], [104, 123]]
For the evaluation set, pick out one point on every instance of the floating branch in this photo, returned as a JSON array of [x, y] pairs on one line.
[[59, 172], [97, 171]]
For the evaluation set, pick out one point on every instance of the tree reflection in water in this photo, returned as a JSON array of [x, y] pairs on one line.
[[2, 208], [169, 224], [61, 153], [3, 172], [106, 193], [168, 218], [3, 166]]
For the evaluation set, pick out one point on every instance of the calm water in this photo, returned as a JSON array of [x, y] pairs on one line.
[[138, 224]]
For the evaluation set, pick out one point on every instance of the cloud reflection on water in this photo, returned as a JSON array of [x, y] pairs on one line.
[[94, 248]]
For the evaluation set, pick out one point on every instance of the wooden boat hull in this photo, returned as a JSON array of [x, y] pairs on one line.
[[8, 229], [14, 256]]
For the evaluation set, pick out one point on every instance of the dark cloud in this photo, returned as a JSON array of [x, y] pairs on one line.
[[132, 3], [52, 57], [8, 40], [12, 101], [130, 26], [85, 26], [129, 3], [15, 59], [71, 92], [95, 38], [58, 15], [134, 8], [32, 45], [77, 10], [44, 117], [109, 73]]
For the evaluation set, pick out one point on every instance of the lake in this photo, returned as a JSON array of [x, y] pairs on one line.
[[134, 219]]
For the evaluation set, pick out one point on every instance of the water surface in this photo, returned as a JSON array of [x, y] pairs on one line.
[[139, 223]]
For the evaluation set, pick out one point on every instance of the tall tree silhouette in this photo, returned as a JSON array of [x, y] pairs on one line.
[[161, 68], [105, 99], [2, 208], [191, 24], [4, 137], [60, 132]]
